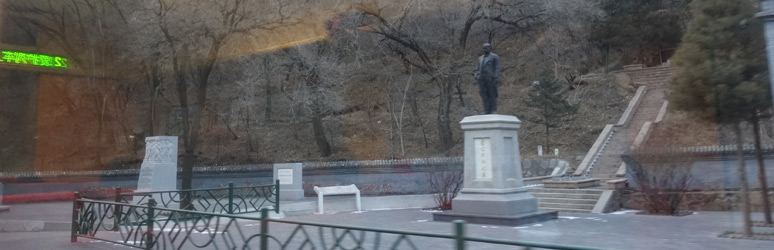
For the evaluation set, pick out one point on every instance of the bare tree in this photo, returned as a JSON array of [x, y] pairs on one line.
[[419, 32], [319, 73], [190, 49], [85, 31]]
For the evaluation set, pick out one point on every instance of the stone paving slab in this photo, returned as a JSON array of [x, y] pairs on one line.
[[47, 211], [612, 231]]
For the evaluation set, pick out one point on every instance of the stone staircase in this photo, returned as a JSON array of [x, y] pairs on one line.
[[652, 76], [655, 80], [566, 200]]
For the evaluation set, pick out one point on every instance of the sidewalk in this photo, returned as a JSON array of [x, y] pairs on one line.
[[612, 231], [35, 217], [56, 216]]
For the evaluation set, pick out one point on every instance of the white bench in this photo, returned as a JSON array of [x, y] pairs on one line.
[[336, 190]]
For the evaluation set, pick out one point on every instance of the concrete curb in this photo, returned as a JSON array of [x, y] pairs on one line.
[[604, 202], [588, 160], [633, 104], [662, 112], [641, 136], [38, 197], [33, 226]]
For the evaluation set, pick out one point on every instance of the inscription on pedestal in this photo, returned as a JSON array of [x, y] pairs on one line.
[[483, 151], [146, 178], [285, 176]]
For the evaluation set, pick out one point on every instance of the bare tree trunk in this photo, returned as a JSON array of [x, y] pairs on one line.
[[152, 73], [606, 56], [761, 169], [319, 135], [548, 135], [247, 131], [444, 105], [267, 114], [747, 227], [460, 93], [189, 143], [415, 112], [548, 138], [399, 119]]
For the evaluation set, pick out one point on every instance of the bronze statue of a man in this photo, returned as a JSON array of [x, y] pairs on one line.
[[488, 77]]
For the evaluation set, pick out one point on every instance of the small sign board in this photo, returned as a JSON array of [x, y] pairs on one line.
[[285, 176]]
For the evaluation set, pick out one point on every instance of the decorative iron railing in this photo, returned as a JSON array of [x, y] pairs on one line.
[[229, 200], [151, 227]]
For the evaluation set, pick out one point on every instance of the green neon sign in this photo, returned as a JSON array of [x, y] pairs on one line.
[[40, 60]]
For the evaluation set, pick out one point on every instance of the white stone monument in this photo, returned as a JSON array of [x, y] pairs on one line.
[[493, 191], [159, 167], [289, 176]]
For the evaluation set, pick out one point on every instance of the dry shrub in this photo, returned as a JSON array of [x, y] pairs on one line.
[[662, 177], [445, 185]]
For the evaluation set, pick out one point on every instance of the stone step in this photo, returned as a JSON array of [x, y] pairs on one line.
[[652, 77], [542, 196], [568, 210], [565, 205], [651, 82], [656, 73], [606, 167], [566, 191], [608, 178], [568, 201]]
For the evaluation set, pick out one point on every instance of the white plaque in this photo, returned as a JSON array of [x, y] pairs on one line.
[[285, 176], [483, 151]]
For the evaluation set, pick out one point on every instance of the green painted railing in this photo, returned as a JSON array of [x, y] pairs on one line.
[[229, 200], [151, 227]]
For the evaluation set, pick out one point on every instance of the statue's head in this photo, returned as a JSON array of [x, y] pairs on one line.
[[487, 48]]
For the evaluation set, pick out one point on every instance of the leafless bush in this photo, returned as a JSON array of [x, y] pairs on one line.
[[662, 180], [445, 185]]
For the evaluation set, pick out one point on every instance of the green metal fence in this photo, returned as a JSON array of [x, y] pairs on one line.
[[229, 200], [151, 227]]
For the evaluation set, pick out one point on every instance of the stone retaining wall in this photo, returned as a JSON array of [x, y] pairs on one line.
[[382, 177]]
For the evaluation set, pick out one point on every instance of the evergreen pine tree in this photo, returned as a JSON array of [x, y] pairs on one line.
[[719, 67], [547, 98], [639, 27]]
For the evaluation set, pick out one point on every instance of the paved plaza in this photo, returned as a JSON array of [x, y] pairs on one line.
[[623, 230]]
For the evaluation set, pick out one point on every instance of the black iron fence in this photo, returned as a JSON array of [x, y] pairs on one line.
[[152, 227], [229, 200]]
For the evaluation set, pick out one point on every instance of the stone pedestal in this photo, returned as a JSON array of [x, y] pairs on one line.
[[289, 176], [159, 167], [493, 191]]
